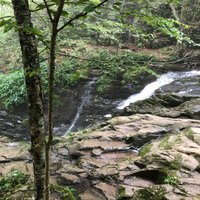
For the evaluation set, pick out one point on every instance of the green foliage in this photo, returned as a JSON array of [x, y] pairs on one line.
[[9, 50], [121, 193], [103, 83], [164, 142], [67, 74], [5, 2], [122, 67], [7, 24], [151, 193], [10, 182], [172, 180], [176, 163], [12, 89], [133, 71], [167, 143], [170, 171], [169, 27], [66, 192], [105, 32]]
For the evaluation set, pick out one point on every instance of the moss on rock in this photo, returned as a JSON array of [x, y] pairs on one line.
[[145, 149]]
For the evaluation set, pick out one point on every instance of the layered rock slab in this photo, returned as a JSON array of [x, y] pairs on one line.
[[130, 157]]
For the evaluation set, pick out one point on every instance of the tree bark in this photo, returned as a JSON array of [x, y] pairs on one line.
[[31, 67]]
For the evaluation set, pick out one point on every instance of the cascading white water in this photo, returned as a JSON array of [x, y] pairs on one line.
[[84, 100], [149, 89]]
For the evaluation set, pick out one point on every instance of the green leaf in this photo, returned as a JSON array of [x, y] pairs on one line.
[[3, 22], [8, 27], [40, 7], [52, 12], [7, 24], [37, 32], [89, 9], [64, 13], [55, 1], [5, 2], [116, 7], [118, 3]]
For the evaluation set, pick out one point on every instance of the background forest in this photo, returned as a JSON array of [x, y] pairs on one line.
[[112, 40]]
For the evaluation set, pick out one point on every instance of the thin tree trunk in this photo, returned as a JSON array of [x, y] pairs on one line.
[[50, 112], [52, 52], [30, 60]]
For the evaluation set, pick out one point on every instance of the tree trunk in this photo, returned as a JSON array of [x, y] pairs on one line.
[[50, 111], [30, 60]]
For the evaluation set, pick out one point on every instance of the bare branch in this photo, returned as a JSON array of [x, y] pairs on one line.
[[48, 10], [104, 61], [82, 58]]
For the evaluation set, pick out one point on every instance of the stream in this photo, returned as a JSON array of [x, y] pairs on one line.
[[89, 111]]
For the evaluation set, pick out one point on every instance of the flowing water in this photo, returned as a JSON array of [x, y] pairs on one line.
[[84, 100], [149, 89]]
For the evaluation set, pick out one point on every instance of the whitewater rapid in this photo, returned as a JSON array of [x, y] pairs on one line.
[[149, 89]]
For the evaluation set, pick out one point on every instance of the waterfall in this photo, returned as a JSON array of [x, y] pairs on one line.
[[84, 100], [149, 89]]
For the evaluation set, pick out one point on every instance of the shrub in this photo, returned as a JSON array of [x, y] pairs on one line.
[[67, 74], [123, 67], [65, 191], [11, 181], [12, 89], [151, 193]]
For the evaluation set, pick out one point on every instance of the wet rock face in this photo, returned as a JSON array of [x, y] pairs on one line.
[[67, 102], [114, 162], [158, 106], [188, 87], [106, 103], [13, 126]]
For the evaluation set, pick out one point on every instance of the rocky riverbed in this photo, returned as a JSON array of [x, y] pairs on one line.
[[151, 152]]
